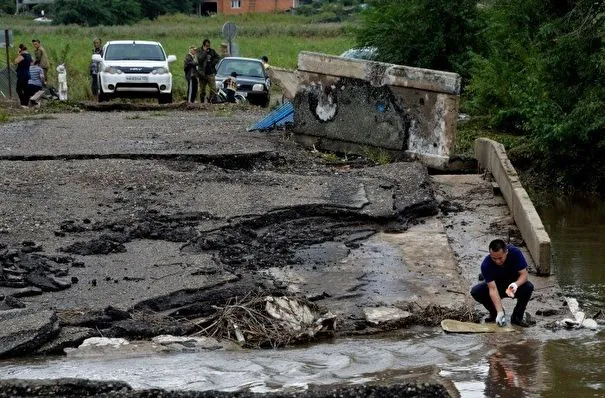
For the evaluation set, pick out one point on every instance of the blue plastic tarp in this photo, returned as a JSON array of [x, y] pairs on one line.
[[278, 117]]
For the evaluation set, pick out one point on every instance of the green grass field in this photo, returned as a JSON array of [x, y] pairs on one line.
[[279, 36]]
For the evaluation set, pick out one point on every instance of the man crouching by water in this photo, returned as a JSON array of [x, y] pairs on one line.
[[505, 274]]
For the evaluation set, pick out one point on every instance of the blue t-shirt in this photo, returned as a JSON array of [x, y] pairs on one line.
[[509, 271]]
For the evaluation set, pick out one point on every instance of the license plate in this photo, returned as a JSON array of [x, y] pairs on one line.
[[136, 78]]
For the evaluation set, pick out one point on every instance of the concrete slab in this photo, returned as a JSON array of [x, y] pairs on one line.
[[285, 79], [413, 270], [356, 106], [432, 268]]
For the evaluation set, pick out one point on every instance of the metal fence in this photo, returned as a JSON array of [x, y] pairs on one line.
[[5, 92]]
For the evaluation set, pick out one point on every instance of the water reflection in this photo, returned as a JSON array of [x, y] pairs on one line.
[[513, 370]]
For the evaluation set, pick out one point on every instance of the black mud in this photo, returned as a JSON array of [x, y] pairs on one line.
[[87, 388]]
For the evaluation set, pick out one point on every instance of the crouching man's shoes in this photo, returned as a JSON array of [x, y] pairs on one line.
[[520, 322]]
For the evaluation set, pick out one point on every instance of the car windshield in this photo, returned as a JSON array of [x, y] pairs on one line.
[[242, 67], [134, 51]]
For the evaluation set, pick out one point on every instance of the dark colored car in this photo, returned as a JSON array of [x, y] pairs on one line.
[[252, 79]]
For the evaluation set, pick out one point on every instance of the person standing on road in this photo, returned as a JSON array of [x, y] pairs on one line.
[[94, 66], [505, 274], [207, 59], [190, 69], [40, 56], [23, 61]]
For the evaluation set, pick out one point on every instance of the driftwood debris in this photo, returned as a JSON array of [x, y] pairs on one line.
[[266, 321]]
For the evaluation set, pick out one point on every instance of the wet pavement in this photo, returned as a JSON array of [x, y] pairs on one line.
[[137, 227]]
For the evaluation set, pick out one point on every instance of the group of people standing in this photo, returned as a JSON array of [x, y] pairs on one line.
[[200, 66], [32, 72]]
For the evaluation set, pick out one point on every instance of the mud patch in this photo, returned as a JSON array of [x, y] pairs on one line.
[[89, 388], [274, 242], [448, 207], [179, 227]]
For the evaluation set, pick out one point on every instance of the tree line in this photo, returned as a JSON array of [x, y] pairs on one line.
[[115, 12], [124, 12], [106, 12], [535, 68]]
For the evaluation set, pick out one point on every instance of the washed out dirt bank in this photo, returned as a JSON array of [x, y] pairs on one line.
[[145, 223]]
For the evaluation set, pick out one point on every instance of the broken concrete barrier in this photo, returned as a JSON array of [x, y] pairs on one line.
[[286, 79], [350, 105]]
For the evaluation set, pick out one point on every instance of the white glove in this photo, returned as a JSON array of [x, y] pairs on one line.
[[512, 289], [501, 318]]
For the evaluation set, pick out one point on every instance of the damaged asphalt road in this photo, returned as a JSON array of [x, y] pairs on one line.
[[126, 224]]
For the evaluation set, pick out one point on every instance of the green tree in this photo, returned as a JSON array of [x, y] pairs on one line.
[[82, 12], [437, 34], [99, 12], [124, 12], [7, 6], [543, 75], [154, 8]]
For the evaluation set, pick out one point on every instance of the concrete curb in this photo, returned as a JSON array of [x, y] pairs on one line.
[[492, 157]]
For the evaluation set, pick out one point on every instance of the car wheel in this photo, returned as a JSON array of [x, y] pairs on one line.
[[259, 100], [165, 98], [239, 99], [102, 97]]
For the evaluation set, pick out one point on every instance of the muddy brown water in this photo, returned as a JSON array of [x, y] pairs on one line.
[[536, 363], [577, 229]]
